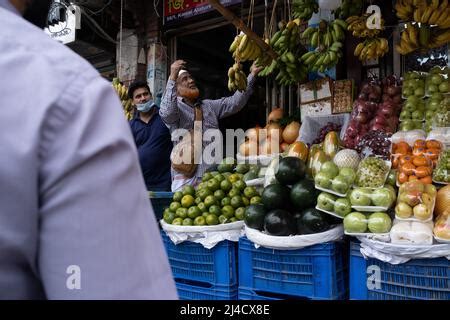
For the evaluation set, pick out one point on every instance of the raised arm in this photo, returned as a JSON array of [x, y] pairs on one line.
[[169, 109]]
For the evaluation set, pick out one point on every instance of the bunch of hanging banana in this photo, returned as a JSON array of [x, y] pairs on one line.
[[286, 42], [358, 26], [432, 12], [122, 92], [348, 8], [237, 80], [244, 49], [323, 60], [372, 48], [325, 34], [304, 9]]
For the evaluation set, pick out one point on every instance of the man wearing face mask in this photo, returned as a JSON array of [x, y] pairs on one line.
[[152, 138], [75, 219]]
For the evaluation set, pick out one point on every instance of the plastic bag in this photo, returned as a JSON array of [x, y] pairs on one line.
[[412, 232], [408, 136], [372, 199], [415, 201], [311, 126], [208, 236], [293, 242], [333, 180], [442, 227], [333, 205], [372, 172], [441, 174]]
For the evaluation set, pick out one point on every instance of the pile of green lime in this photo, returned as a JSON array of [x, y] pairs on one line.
[[220, 198]]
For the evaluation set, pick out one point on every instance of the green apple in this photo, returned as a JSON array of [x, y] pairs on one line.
[[359, 198], [407, 91], [355, 222], [405, 114], [325, 201], [392, 191], [349, 174], [444, 87], [437, 96], [342, 207], [429, 115], [323, 180], [432, 88], [433, 104], [436, 79], [340, 185], [382, 197], [379, 222], [403, 210], [417, 115], [419, 92], [410, 107], [330, 168], [422, 212]]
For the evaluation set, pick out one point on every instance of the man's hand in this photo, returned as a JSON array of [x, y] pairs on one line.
[[254, 69], [175, 68]]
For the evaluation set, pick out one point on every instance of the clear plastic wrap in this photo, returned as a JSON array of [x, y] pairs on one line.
[[415, 201], [333, 205], [441, 173], [441, 228], [372, 199], [408, 136], [372, 172], [412, 232], [414, 84], [334, 180], [357, 223], [437, 81]]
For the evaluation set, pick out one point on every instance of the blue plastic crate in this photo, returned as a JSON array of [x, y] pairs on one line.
[[191, 261], [191, 290], [160, 200], [316, 272], [420, 279]]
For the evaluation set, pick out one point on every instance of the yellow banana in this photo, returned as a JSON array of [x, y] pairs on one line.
[[358, 49], [427, 14]]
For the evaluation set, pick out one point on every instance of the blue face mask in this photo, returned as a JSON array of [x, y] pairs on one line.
[[145, 107]]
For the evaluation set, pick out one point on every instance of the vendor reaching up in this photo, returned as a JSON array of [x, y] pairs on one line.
[[178, 109]]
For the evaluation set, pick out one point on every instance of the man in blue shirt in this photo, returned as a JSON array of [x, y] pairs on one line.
[[152, 138]]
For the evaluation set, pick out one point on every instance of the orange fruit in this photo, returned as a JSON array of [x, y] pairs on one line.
[[412, 178], [404, 159], [408, 168], [422, 172], [420, 144], [418, 151], [427, 180], [433, 144], [419, 161], [402, 178], [432, 154]]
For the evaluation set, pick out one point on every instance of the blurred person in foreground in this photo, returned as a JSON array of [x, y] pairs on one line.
[[75, 218]]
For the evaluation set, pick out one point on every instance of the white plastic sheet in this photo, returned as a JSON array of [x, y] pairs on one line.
[[292, 242], [207, 236], [311, 126], [401, 253]]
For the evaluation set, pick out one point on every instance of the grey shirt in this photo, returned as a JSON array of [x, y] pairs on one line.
[[75, 218], [176, 113]]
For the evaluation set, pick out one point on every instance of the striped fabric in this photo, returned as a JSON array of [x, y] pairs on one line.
[[176, 113]]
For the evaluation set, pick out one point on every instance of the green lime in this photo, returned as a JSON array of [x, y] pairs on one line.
[[202, 207], [188, 190], [225, 201], [211, 219], [226, 174], [203, 193], [198, 200], [214, 173], [213, 185], [194, 212], [166, 210], [210, 200], [187, 201], [181, 213], [205, 214], [207, 176], [240, 185], [240, 176], [234, 192], [220, 178], [177, 221], [215, 209], [232, 220], [233, 178], [177, 196], [255, 200], [245, 201], [223, 219], [239, 213], [169, 216], [236, 202], [219, 195], [188, 222], [202, 185], [225, 185], [199, 221], [250, 192], [228, 211], [174, 206]]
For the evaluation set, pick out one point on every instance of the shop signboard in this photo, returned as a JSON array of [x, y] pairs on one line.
[[179, 10]]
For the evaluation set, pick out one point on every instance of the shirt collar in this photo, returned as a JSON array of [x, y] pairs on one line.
[[8, 6]]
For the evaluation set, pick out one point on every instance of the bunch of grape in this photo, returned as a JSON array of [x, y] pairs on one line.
[[330, 126], [376, 143]]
